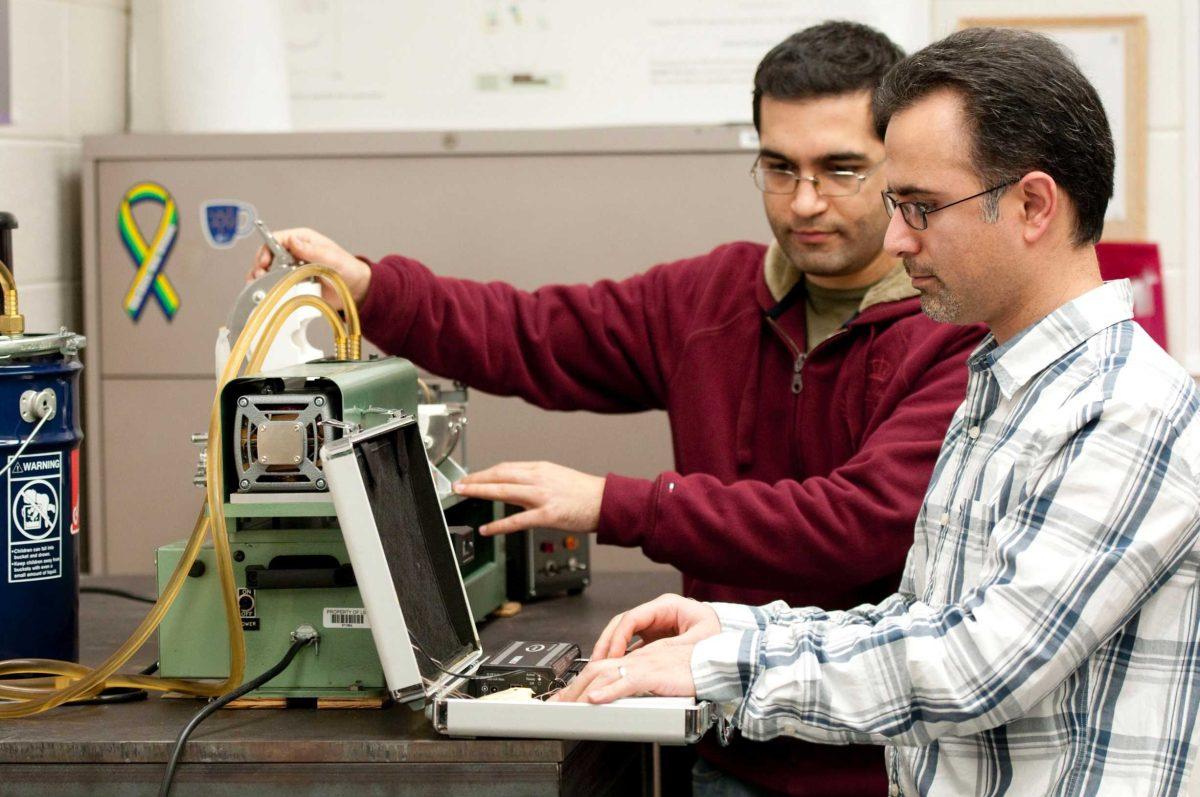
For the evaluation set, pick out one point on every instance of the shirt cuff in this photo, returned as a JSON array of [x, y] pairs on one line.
[[738, 617], [723, 665]]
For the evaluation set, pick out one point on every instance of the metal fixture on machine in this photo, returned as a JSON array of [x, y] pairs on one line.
[[289, 557]]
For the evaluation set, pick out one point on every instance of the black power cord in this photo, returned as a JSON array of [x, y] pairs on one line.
[[305, 635], [117, 593], [117, 694], [111, 694]]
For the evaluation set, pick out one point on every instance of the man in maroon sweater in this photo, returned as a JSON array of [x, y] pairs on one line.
[[806, 392]]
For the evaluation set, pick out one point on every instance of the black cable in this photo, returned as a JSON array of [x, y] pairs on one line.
[[119, 694], [113, 694], [164, 788], [118, 593]]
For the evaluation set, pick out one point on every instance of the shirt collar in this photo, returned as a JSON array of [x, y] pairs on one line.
[[1026, 355]]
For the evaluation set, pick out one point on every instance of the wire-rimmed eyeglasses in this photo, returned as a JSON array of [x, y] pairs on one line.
[[829, 183], [916, 214]]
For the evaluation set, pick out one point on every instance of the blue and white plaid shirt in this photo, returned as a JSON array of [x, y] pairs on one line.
[[1046, 636]]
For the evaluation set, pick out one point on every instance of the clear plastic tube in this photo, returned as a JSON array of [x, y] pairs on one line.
[[25, 700]]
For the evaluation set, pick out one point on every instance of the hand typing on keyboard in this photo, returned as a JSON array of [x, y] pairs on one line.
[[669, 626]]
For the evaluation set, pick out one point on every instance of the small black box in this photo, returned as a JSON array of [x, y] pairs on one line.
[[537, 665]]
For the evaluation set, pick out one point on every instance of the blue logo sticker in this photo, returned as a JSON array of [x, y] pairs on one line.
[[224, 221]]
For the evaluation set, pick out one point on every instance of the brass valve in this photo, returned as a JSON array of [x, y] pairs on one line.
[[12, 322]]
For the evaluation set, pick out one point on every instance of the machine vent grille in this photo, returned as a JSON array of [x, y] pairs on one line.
[[278, 442]]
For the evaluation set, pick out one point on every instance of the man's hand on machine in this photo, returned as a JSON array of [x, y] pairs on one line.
[[313, 247], [552, 496]]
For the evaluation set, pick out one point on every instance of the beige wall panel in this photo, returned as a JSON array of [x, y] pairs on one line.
[[529, 220], [148, 496], [526, 218]]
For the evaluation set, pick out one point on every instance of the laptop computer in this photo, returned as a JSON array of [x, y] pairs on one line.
[[387, 505]]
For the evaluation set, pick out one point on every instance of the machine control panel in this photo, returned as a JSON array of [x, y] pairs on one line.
[[545, 562]]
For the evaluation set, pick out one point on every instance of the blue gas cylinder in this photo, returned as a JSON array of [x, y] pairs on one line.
[[39, 452]]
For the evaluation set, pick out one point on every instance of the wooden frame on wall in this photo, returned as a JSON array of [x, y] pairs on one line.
[[1105, 37]]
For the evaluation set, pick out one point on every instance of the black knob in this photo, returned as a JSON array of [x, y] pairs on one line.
[[8, 223], [197, 569]]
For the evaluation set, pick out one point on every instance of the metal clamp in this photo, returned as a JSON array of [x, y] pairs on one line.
[[253, 294], [63, 341], [200, 477], [391, 413], [342, 426], [280, 256]]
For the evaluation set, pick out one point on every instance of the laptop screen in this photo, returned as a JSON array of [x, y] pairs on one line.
[[415, 543]]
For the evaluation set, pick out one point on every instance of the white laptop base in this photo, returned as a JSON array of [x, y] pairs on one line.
[[412, 590]]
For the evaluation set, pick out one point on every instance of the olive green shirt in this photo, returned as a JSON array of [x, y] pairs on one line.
[[828, 309]]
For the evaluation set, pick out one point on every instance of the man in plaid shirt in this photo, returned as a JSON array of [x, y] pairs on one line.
[[1046, 636]]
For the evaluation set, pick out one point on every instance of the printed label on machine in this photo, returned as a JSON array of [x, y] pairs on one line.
[[346, 618], [248, 606], [35, 532]]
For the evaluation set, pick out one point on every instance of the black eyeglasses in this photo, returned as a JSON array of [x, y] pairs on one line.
[[916, 214]]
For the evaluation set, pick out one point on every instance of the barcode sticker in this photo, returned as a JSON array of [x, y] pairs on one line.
[[346, 618]]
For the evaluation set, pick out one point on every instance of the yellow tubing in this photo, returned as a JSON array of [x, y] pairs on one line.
[[280, 318], [21, 701], [426, 390]]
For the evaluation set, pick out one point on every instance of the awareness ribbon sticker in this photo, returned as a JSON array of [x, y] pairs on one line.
[[149, 259]]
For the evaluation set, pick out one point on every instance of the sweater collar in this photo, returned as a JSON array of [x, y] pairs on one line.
[[781, 278]]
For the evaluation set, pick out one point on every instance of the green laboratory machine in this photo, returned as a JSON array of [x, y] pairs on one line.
[[290, 563]]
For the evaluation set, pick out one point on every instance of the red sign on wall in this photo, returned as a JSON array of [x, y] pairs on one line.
[[1138, 263]]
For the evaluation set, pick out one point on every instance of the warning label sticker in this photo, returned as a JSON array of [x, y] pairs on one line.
[[35, 530]]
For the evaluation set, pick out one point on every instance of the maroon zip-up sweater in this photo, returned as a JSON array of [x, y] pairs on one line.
[[798, 476]]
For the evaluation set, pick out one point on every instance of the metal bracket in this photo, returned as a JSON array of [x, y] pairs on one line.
[[253, 294], [36, 404]]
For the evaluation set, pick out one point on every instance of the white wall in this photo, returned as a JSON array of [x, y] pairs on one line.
[[1173, 137], [68, 80]]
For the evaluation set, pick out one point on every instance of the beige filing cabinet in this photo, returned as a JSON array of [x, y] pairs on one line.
[[526, 207]]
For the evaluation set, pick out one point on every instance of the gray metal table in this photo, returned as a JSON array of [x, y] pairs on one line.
[[122, 749]]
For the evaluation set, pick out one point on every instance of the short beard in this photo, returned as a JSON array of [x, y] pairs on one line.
[[945, 309]]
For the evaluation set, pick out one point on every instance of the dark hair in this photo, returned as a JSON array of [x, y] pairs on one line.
[[835, 57], [1028, 107]]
